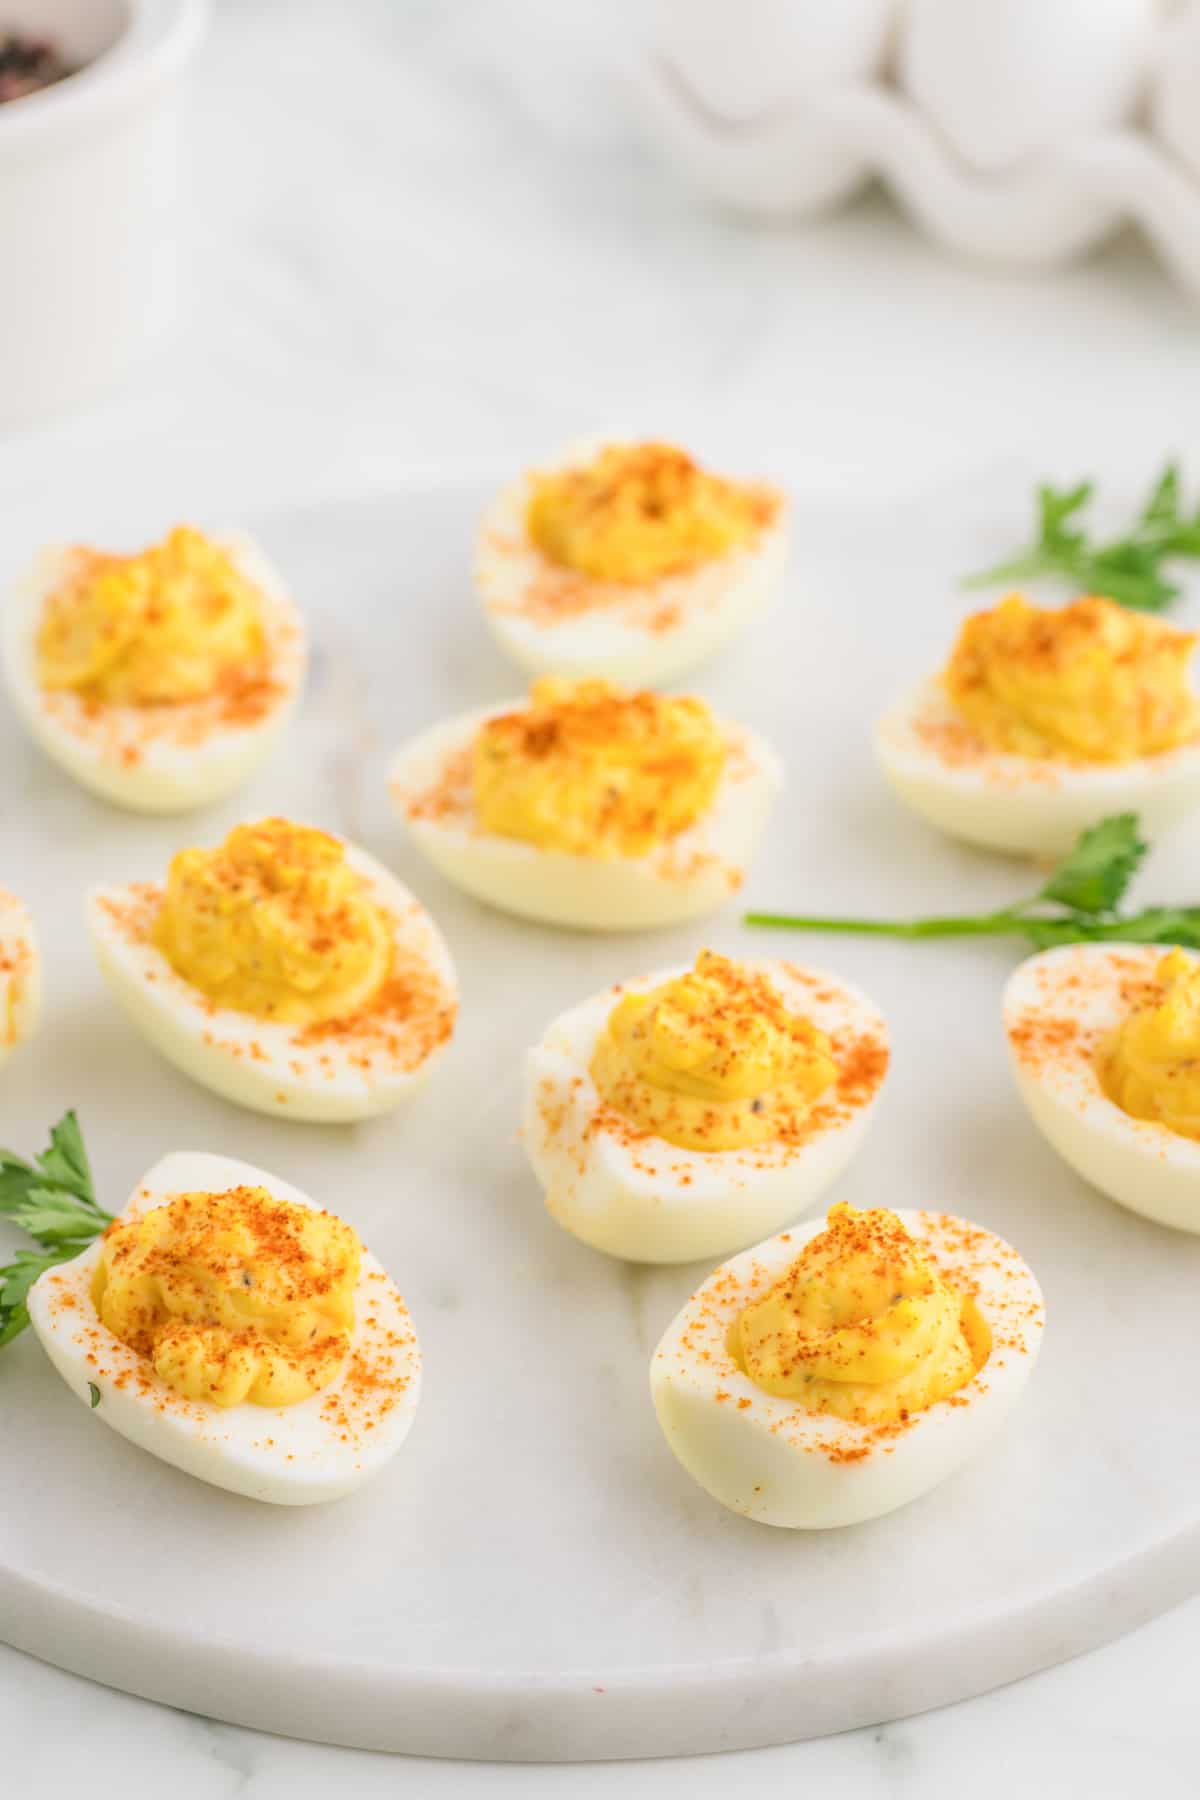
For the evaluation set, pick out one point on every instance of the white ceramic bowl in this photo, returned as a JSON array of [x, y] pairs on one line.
[[87, 199]]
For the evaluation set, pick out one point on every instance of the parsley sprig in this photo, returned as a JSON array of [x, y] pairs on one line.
[[1128, 569], [52, 1199], [1078, 903]]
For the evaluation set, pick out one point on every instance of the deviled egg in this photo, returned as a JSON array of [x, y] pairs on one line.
[[20, 974], [1105, 1047], [627, 561], [160, 680], [1046, 721], [590, 805], [843, 1368], [686, 1114], [284, 969], [229, 1326]]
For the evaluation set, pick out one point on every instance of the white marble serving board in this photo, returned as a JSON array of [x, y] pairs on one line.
[[535, 1577]]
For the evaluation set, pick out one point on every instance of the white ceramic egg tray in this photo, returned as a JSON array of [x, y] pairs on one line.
[[1023, 132], [535, 1576]]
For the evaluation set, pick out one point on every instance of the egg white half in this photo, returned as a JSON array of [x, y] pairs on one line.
[[765, 1457], [553, 620], [641, 1198], [319, 1449], [288, 1070], [20, 974], [164, 758], [938, 765], [691, 874], [1060, 1009]]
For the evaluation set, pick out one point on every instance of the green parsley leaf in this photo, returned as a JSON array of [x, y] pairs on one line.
[[51, 1217], [1162, 508], [1171, 925], [16, 1281], [1096, 873], [1129, 569], [66, 1162], [1055, 508], [53, 1200], [1085, 890]]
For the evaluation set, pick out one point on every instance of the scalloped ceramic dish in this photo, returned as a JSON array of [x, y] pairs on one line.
[[787, 124]]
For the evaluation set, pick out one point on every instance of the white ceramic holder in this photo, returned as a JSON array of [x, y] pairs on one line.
[[87, 200], [1021, 131]]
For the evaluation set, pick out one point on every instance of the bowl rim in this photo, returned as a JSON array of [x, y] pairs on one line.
[[155, 40]]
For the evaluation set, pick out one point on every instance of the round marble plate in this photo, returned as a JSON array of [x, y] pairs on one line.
[[535, 1577]]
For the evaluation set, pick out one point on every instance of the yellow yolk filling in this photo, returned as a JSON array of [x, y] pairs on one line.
[[164, 626], [712, 1060], [593, 770], [1151, 1067], [233, 1297], [642, 511], [861, 1326], [275, 923], [1089, 682]]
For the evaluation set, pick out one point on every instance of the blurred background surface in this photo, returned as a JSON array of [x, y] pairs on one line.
[[438, 234]]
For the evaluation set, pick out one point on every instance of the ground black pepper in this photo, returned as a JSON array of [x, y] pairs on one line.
[[27, 64]]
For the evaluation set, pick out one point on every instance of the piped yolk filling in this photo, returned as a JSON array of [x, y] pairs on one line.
[[861, 1326], [164, 626], [713, 1060], [1151, 1066], [16, 969], [639, 512], [275, 923], [233, 1297], [1089, 682], [594, 770]]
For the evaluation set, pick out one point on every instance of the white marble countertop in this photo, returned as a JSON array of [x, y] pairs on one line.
[[431, 236]]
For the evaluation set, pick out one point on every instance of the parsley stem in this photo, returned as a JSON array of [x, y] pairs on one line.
[[999, 924], [1020, 569]]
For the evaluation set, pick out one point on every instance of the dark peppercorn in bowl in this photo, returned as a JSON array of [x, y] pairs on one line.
[[28, 64]]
